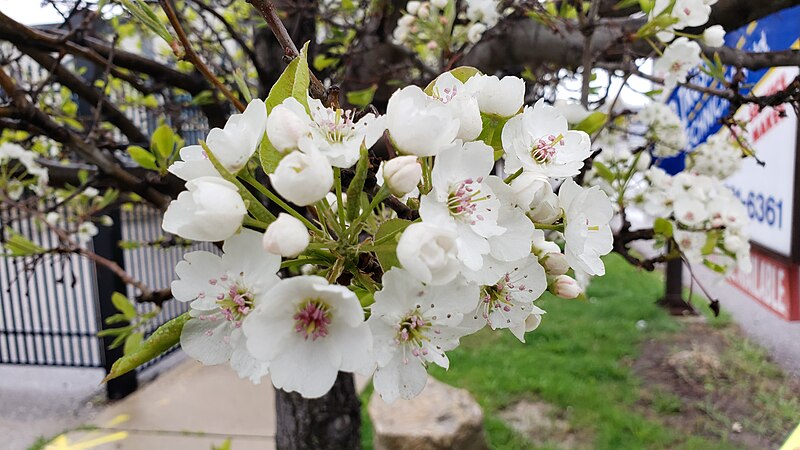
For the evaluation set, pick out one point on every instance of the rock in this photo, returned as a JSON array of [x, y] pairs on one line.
[[696, 365], [441, 417], [540, 423]]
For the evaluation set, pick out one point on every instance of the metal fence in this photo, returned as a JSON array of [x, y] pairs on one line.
[[51, 307]]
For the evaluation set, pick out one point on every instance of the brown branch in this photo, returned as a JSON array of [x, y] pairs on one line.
[[104, 162], [97, 52], [267, 10], [194, 58], [89, 93]]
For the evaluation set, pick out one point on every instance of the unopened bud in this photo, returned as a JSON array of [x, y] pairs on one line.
[[287, 236], [555, 264], [402, 174], [565, 286]]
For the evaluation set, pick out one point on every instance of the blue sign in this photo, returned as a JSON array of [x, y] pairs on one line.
[[701, 113]]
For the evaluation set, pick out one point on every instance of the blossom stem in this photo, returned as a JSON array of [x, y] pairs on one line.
[[545, 226], [255, 223], [326, 217], [355, 226], [513, 176], [340, 206], [258, 210], [278, 201]]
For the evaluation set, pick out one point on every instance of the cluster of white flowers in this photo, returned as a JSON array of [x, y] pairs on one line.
[[20, 171], [664, 129], [719, 157], [427, 26], [708, 221], [683, 54], [477, 256]]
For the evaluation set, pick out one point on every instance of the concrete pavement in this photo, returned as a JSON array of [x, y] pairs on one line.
[[190, 407]]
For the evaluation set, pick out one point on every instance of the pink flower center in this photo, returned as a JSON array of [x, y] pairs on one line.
[[312, 319], [545, 149], [235, 304], [463, 200], [411, 331]]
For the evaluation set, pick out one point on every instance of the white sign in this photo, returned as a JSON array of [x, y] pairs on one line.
[[768, 191]]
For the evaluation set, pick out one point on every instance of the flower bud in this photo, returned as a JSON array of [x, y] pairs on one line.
[[286, 236], [565, 286], [714, 36], [303, 178], [429, 253], [402, 174], [555, 263], [439, 3], [211, 209], [502, 97], [424, 11], [287, 123], [412, 7], [475, 32]]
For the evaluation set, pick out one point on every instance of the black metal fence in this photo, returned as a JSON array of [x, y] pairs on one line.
[[51, 307]]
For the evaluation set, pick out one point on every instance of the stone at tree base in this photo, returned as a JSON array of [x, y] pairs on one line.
[[441, 417]]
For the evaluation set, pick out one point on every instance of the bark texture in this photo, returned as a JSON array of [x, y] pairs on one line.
[[331, 422]]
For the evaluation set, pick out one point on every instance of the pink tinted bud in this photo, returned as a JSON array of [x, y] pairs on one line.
[[565, 286]]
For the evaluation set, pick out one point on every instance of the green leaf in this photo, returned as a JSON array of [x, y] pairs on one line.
[[142, 157], [461, 74], [226, 445], [293, 82], [357, 185], [269, 155], [162, 143], [711, 243], [322, 62], [362, 97], [204, 98], [603, 170], [17, 245], [124, 305], [160, 341], [714, 266], [663, 227], [389, 231], [592, 123], [133, 342]]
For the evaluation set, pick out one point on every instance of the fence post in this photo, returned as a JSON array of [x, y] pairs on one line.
[[106, 244]]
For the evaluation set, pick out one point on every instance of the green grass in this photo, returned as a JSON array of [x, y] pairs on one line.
[[579, 362]]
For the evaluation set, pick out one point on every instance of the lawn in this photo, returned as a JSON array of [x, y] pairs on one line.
[[612, 373]]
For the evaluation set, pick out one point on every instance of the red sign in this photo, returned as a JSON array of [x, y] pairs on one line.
[[772, 282]]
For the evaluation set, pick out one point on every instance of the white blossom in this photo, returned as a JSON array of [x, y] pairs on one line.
[[413, 325], [418, 124], [501, 97], [681, 56], [232, 145], [308, 331], [211, 209], [286, 236], [303, 177], [539, 141], [714, 36], [587, 213], [429, 253], [402, 174], [222, 291], [461, 199]]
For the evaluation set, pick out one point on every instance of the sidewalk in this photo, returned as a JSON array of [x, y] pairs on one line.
[[779, 337], [188, 408]]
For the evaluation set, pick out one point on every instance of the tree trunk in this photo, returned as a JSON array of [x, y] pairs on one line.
[[673, 296], [331, 422]]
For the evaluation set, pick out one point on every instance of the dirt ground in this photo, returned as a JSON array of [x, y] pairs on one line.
[[711, 381]]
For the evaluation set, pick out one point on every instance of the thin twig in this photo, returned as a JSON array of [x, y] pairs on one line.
[[190, 55]]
